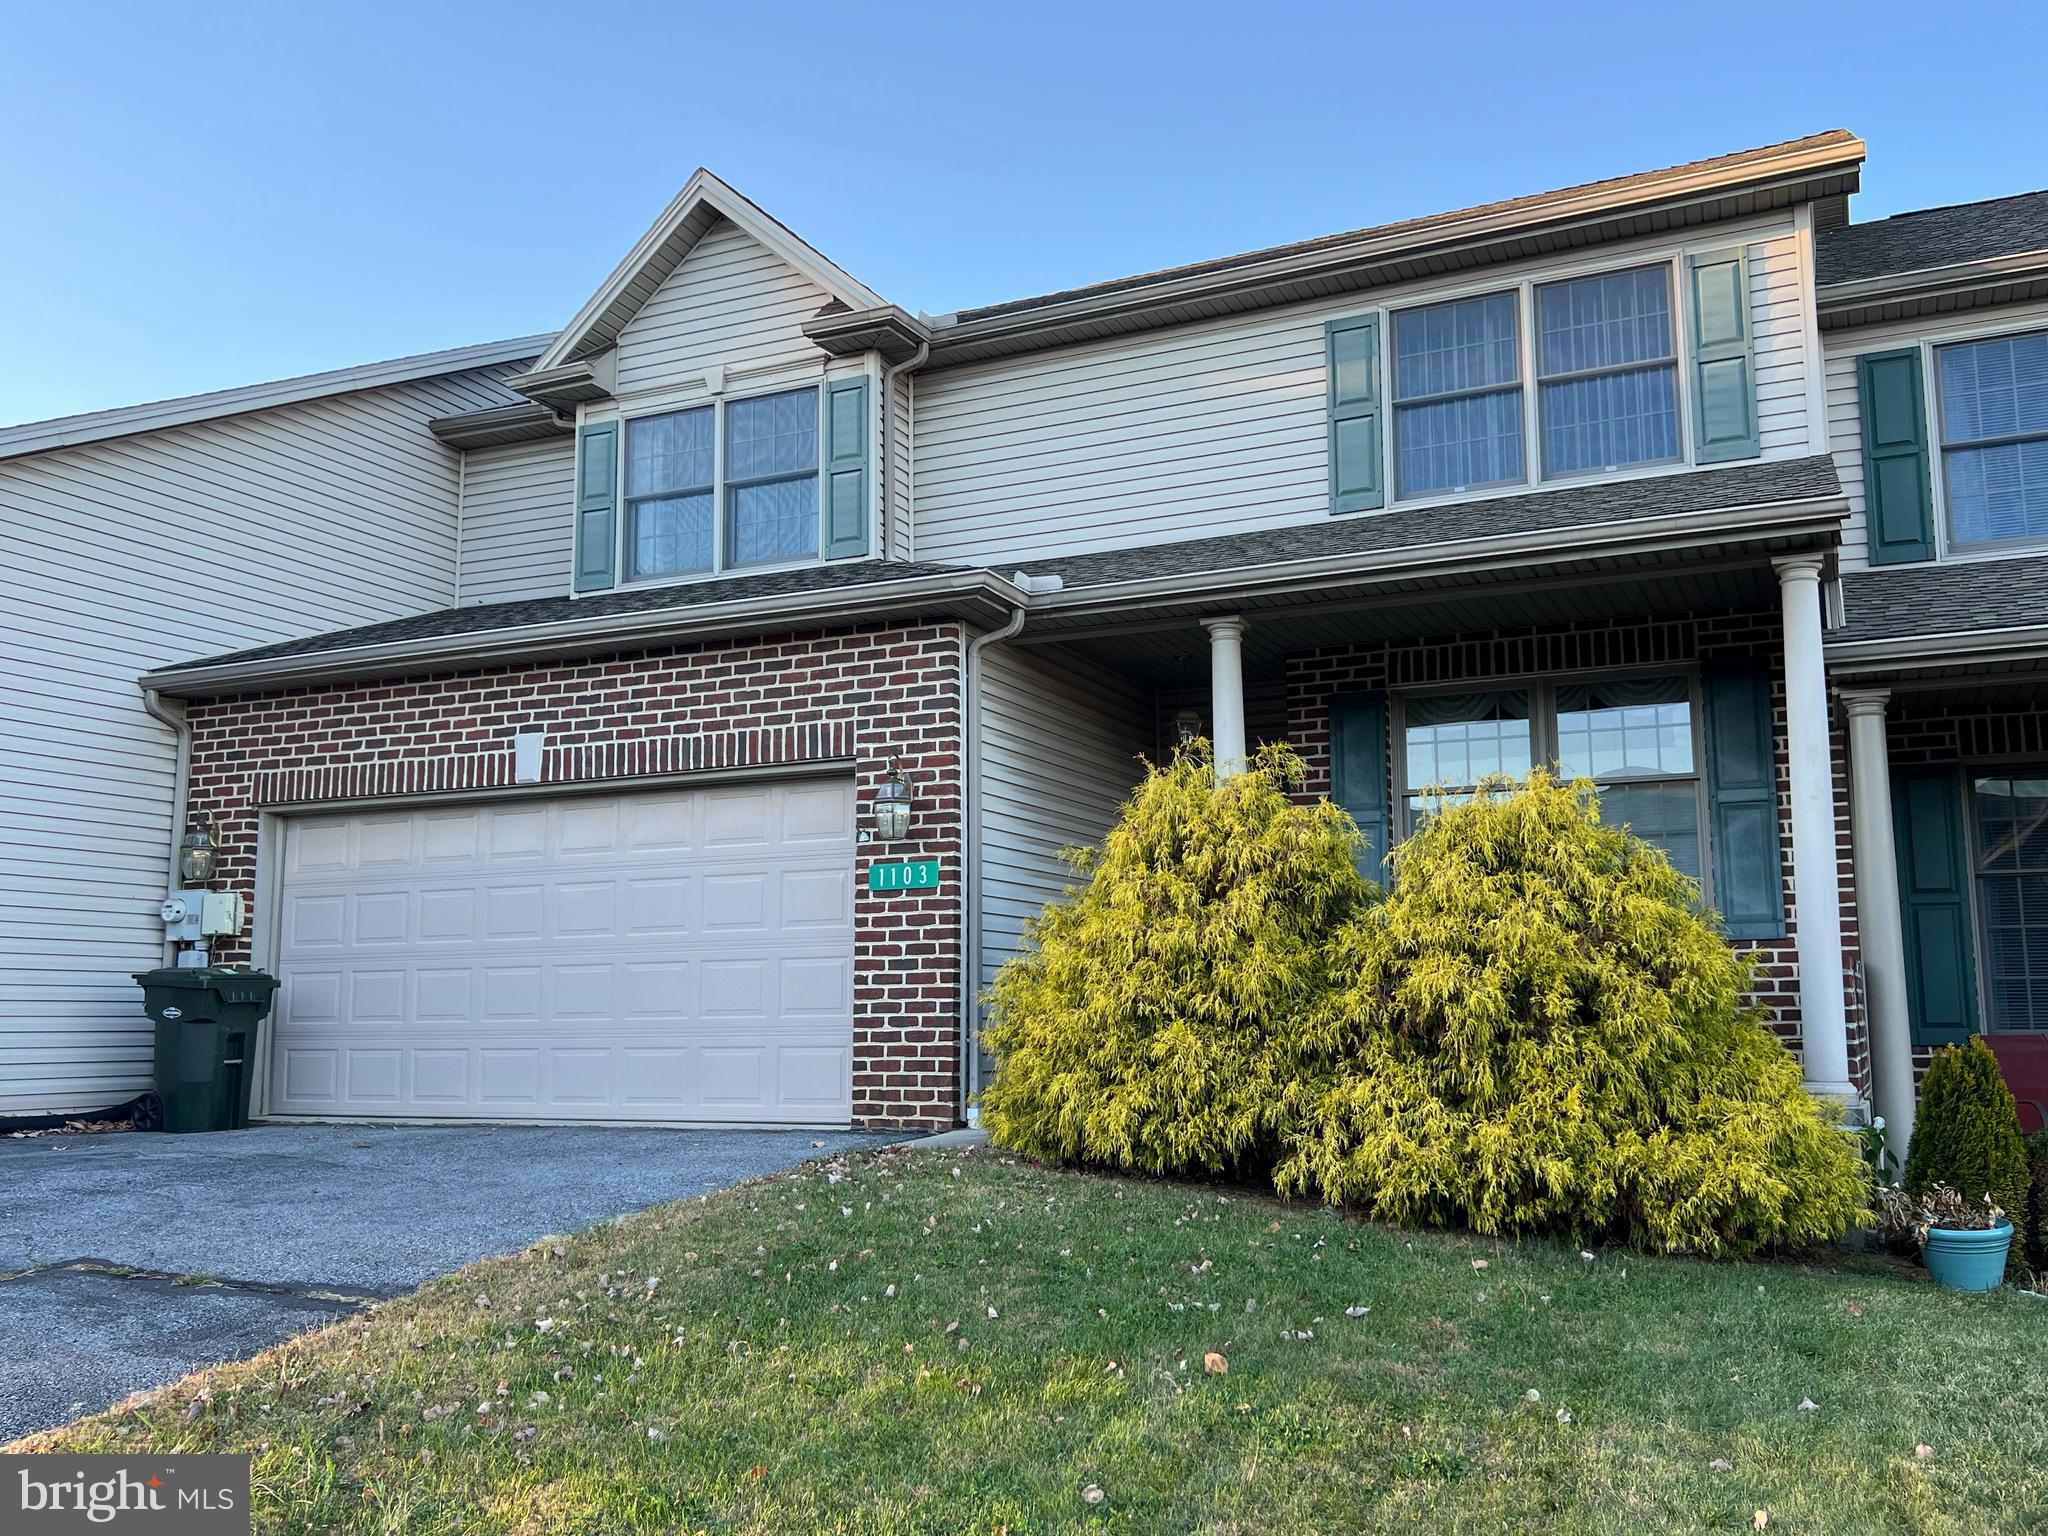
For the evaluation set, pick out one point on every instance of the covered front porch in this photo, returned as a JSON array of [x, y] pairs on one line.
[[1683, 674], [1948, 758]]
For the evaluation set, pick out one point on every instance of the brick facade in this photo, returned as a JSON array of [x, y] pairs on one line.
[[866, 696], [1682, 641]]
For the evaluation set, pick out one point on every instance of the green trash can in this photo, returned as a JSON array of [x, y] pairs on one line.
[[206, 1022]]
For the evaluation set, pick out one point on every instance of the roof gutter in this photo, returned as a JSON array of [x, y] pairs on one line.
[[128, 420], [1902, 652], [1820, 514], [1899, 287], [1412, 239], [977, 592]]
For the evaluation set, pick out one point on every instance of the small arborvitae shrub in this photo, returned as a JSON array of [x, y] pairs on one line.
[[2037, 1202], [1540, 1031], [1967, 1136], [1149, 1021]]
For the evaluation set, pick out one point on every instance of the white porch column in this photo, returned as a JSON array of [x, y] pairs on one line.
[[1816, 889], [1880, 927], [1226, 693]]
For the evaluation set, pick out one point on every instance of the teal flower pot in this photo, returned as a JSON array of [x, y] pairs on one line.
[[1968, 1261]]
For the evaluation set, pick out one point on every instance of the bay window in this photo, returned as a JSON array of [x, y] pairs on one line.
[[1994, 439]]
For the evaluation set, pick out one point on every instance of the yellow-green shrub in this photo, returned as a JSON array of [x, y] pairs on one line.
[[1149, 1022], [1538, 1031]]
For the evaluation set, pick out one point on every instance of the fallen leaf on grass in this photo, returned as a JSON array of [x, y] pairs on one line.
[[1215, 1364]]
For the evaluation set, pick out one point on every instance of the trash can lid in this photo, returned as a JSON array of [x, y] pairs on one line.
[[198, 976]]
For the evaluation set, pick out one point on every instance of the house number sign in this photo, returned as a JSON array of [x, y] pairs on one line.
[[916, 875]]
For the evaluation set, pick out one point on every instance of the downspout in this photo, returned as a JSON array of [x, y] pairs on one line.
[[970, 853], [970, 863], [181, 777], [909, 364]]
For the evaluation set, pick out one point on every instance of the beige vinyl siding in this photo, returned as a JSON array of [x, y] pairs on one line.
[[897, 540], [1777, 310], [518, 503], [1218, 427], [732, 302], [130, 553], [1058, 753], [1845, 418]]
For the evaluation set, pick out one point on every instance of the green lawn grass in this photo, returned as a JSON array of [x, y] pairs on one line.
[[961, 1342]]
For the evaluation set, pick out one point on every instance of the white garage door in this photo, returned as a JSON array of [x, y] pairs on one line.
[[683, 956]]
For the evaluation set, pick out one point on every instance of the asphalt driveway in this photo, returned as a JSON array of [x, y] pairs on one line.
[[130, 1259]]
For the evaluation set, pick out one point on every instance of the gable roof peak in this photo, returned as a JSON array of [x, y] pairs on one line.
[[703, 202]]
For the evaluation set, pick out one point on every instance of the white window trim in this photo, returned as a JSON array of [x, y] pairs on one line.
[[1945, 547], [1541, 689], [1530, 383], [720, 530]]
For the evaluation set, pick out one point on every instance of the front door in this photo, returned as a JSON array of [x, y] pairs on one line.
[[2009, 816]]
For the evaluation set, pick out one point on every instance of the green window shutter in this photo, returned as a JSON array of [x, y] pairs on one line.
[[1742, 804], [847, 435], [1934, 904], [1723, 367], [1358, 773], [1898, 505], [597, 498], [1357, 478]]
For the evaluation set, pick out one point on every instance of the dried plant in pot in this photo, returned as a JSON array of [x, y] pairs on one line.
[[1963, 1241]]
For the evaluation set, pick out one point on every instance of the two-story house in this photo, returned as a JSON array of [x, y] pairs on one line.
[[557, 705]]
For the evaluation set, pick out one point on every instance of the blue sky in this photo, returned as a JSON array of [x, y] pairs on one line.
[[202, 196]]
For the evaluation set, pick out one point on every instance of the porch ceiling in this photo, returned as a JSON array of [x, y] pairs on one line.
[[1169, 649]]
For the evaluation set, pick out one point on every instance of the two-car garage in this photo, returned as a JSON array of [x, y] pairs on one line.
[[681, 955]]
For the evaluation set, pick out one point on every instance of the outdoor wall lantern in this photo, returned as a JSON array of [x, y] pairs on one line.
[[893, 804], [199, 853], [1187, 725]]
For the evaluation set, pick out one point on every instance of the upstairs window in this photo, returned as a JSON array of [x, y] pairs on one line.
[[771, 478], [1994, 439], [670, 472], [722, 486], [1607, 372], [1457, 396]]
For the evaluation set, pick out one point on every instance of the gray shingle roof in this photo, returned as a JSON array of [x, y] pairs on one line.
[[445, 623], [1834, 136], [1933, 237], [1903, 601], [1743, 485], [1566, 507]]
